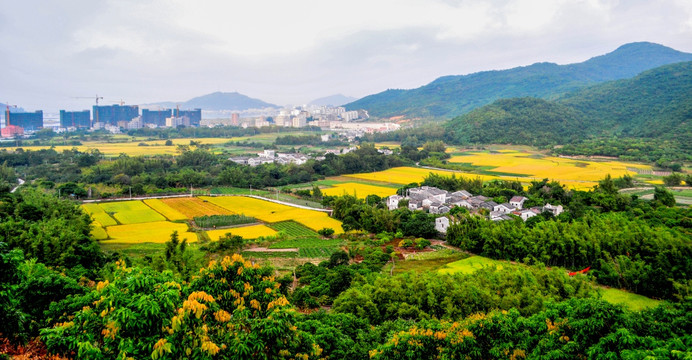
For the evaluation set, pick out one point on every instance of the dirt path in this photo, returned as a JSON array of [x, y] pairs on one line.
[[264, 249]]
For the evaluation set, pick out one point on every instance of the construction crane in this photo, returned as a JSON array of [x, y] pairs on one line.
[[97, 97], [7, 114]]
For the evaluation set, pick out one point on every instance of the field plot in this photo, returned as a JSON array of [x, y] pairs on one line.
[[406, 175], [246, 232], [272, 212], [131, 212], [151, 232], [633, 301], [156, 147], [360, 190], [98, 214], [165, 210], [469, 265], [192, 207], [304, 243], [98, 232], [536, 166], [293, 229]]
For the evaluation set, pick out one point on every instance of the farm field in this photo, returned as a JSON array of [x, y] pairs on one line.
[[406, 175], [153, 147], [98, 214], [360, 190], [98, 232], [153, 232], [536, 166], [165, 210], [192, 207], [247, 232], [131, 212], [469, 265], [633, 301], [272, 212]]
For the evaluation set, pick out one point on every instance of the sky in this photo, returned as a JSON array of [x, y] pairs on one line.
[[53, 53]]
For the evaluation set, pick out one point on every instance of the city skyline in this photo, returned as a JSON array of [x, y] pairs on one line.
[[291, 53]]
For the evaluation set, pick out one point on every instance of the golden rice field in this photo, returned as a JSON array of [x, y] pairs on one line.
[[98, 232], [165, 210], [272, 212], [154, 232], [246, 232], [555, 168], [131, 212], [360, 190], [192, 207], [155, 147], [98, 214], [406, 175]]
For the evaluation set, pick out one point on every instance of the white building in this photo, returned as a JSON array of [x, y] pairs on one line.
[[442, 224]]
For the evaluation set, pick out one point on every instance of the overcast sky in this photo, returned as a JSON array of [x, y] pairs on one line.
[[291, 52]]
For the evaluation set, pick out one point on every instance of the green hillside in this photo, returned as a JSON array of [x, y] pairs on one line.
[[656, 104], [451, 96]]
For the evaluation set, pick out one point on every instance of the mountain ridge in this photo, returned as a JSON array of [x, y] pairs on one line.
[[453, 95], [218, 101]]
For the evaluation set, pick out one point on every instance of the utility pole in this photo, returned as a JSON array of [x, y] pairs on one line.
[[130, 192]]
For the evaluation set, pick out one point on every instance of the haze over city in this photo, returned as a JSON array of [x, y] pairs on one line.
[[293, 52]]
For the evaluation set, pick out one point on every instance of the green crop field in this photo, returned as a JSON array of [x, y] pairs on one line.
[[131, 212], [293, 229], [469, 265], [304, 243], [98, 214], [630, 300], [268, 254]]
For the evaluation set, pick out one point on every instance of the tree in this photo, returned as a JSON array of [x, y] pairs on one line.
[[674, 179], [664, 196]]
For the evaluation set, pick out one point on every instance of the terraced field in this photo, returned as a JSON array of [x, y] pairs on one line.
[[272, 212], [98, 214], [152, 232], [131, 212], [360, 190], [246, 232], [165, 210], [192, 207]]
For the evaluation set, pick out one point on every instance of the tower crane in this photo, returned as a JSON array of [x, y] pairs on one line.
[[7, 114]]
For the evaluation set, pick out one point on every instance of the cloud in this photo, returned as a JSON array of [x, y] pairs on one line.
[[294, 51]]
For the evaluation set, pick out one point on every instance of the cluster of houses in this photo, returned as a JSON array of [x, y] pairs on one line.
[[437, 201], [271, 156]]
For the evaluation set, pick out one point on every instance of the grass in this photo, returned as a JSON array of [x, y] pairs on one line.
[[131, 212], [237, 191], [246, 232], [154, 232], [469, 265], [632, 301]]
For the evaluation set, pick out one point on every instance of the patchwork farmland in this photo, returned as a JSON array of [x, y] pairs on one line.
[[137, 222]]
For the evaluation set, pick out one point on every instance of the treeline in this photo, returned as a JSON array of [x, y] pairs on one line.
[[192, 168], [307, 140], [664, 153]]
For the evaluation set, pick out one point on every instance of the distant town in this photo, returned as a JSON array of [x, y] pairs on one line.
[[118, 118]]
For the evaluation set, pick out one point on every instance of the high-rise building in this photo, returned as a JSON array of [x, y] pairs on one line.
[[77, 119], [195, 115], [235, 119], [112, 114], [28, 121], [156, 117]]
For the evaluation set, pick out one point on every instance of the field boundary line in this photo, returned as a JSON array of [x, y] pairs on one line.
[[328, 211]]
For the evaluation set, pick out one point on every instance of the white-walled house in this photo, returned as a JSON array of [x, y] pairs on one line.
[[504, 208], [441, 224], [555, 209], [393, 201], [517, 201]]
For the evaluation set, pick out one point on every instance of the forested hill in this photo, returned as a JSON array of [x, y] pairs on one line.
[[451, 96], [655, 104]]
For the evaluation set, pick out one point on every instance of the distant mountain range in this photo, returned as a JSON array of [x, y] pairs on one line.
[[450, 96], [655, 104], [217, 101], [333, 100]]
